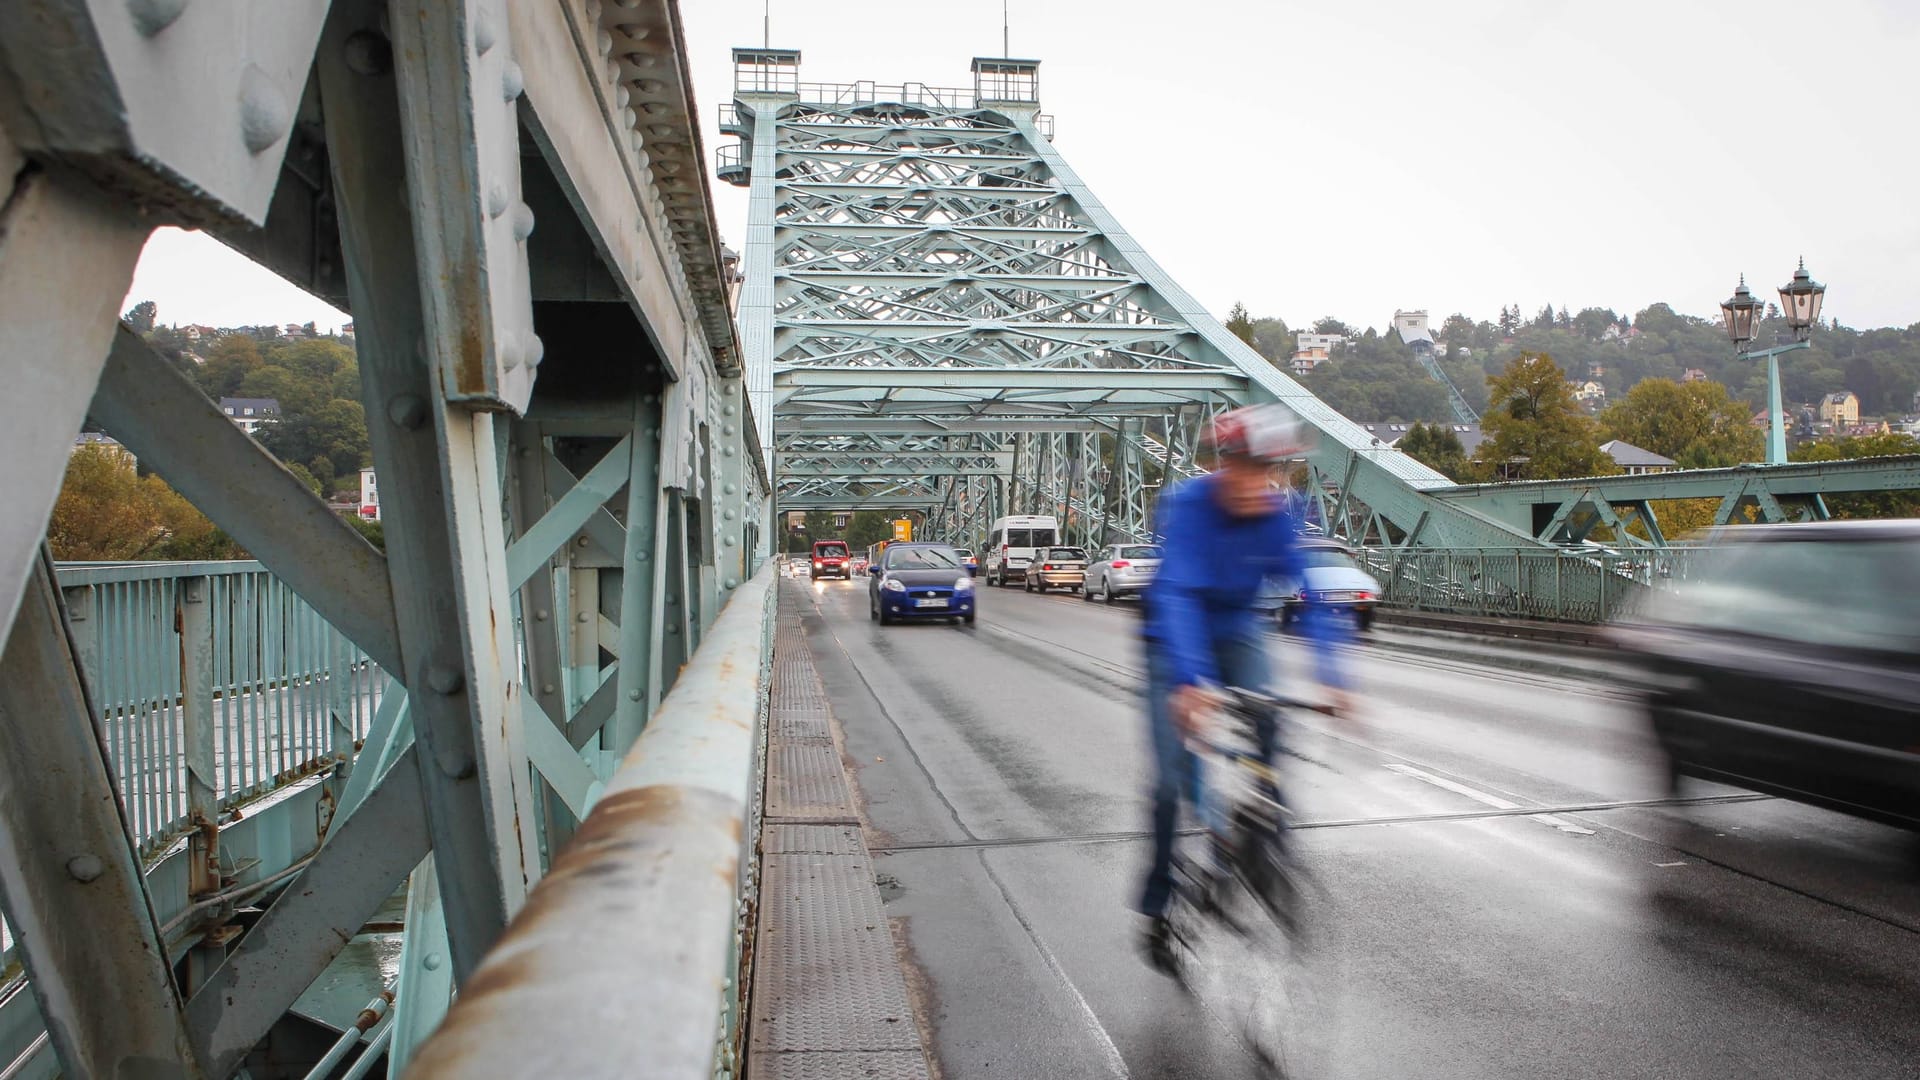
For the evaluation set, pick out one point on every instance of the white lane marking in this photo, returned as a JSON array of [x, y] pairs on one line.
[[1494, 801], [1669, 864], [1116, 1064]]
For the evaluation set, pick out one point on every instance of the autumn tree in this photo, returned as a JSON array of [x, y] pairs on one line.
[[1534, 429], [108, 512], [1697, 424], [229, 362]]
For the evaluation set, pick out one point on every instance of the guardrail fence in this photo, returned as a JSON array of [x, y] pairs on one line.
[[1564, 584]]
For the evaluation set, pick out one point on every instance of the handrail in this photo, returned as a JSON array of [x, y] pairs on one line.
[[612, 964], [289, 693]]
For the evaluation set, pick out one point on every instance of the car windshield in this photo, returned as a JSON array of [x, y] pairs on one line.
[[1848, 593], [1317, 558], [1066, 553], [1026, 538], [965, 553], [831, 551], [1139, 551], [922, 558]]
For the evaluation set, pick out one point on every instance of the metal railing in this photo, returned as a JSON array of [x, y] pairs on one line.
[[1564, 584], [642, 913], [287, 689]]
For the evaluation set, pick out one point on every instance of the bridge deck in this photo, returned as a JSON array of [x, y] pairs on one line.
[[1001, 771]]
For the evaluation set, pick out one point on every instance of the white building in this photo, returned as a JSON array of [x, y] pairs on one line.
[[369, 496], [1412, 326]]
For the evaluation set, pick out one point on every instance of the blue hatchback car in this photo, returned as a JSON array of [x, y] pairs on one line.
[[919, 581]]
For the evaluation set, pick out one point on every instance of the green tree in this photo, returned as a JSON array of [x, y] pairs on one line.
[[1697, 424], [1239, 323], [1866, 504], [1438, 448], [1273, 340], [1534, 429], [229, 362], [335, 433], [819, 526], [141, 318], [867, 528]]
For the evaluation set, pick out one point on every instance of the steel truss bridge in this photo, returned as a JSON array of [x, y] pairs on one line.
[[939, 315], [538, 714]]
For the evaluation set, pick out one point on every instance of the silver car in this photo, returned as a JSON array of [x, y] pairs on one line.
[[1122, 570]]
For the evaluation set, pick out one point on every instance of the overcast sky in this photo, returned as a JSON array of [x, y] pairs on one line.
[[1312, 157]]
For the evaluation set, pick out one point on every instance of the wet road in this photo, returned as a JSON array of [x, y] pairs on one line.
[[1735, 937]]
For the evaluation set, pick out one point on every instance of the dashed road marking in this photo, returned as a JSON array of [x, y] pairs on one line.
[[1487, 798]]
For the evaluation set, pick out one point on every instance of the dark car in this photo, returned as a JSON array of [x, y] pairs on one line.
[[919, 581], [1791, 665]]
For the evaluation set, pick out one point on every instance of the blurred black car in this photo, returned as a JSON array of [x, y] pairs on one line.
[[1791, 665]]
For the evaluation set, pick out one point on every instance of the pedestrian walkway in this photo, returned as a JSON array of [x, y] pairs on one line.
[[829, 996]]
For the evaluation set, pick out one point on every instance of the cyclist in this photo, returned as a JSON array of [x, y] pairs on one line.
[[1223, 535]]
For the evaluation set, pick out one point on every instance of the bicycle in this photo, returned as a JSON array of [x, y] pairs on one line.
[[1240, 914]]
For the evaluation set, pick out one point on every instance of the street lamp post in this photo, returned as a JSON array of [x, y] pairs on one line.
[[1800, 304]]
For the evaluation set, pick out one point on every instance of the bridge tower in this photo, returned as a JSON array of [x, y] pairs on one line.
[[938, 314]]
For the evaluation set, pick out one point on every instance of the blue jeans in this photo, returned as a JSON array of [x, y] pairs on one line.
[[1242, 662]]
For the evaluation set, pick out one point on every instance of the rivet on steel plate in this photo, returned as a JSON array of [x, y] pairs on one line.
[[445, 679], [540, 616], [733, 583], [604, 40], [454, 762], [633, 695], [522, 221], [484, 33], [432, 961], [536, 350], [512, 82], [731, 514], [584, 617], [496, 200], [582, 541], [730, 541], [368, 53], [263, 110], [85, 868], [152, 16], [407, 411], [546, 688], [506, 350], [729, 488], [728, 410]]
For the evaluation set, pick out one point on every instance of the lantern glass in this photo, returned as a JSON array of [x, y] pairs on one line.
[[1800, 301], [1741, 313]]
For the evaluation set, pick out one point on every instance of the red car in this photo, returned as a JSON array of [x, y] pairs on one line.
[[830, 559]]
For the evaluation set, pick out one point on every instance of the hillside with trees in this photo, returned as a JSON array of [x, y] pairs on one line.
[[1365, 379]]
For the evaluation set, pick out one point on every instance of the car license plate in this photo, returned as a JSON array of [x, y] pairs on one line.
[[932, 601]]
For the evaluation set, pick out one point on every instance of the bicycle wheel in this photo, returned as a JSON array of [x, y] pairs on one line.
[[1246, 948]]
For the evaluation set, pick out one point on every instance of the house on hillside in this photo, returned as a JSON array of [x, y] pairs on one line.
[[250, 412], [1390, 432], [1635, 460], [1694, 375], [1310, 350], [369, 496], [1590, 394], [1840, 409], [104, 442]]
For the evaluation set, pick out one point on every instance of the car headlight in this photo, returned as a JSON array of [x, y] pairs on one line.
[[963, 583], [893, 585]]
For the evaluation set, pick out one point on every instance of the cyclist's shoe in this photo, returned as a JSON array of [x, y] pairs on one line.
[[1158, 941]]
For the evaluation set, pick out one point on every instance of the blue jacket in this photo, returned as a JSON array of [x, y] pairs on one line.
[[1211, 573]]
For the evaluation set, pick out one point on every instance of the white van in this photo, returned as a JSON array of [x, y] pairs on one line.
[[1011, 545]]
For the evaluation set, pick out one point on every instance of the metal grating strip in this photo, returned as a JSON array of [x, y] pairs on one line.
[[805, 782], [829, 977], [811, 840], [835, 1065]]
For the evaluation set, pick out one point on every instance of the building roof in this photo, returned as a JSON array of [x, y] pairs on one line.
[[1390, 432], [1627, 456], [257, 404], [1839, 398]]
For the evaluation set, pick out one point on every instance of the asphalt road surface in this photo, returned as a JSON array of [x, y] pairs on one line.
[[1003, 771]]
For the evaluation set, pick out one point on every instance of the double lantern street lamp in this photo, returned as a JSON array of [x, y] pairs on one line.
[[1800, 304]]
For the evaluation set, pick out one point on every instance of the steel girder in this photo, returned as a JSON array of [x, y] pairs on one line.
[[931, 263], [553, 555]]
